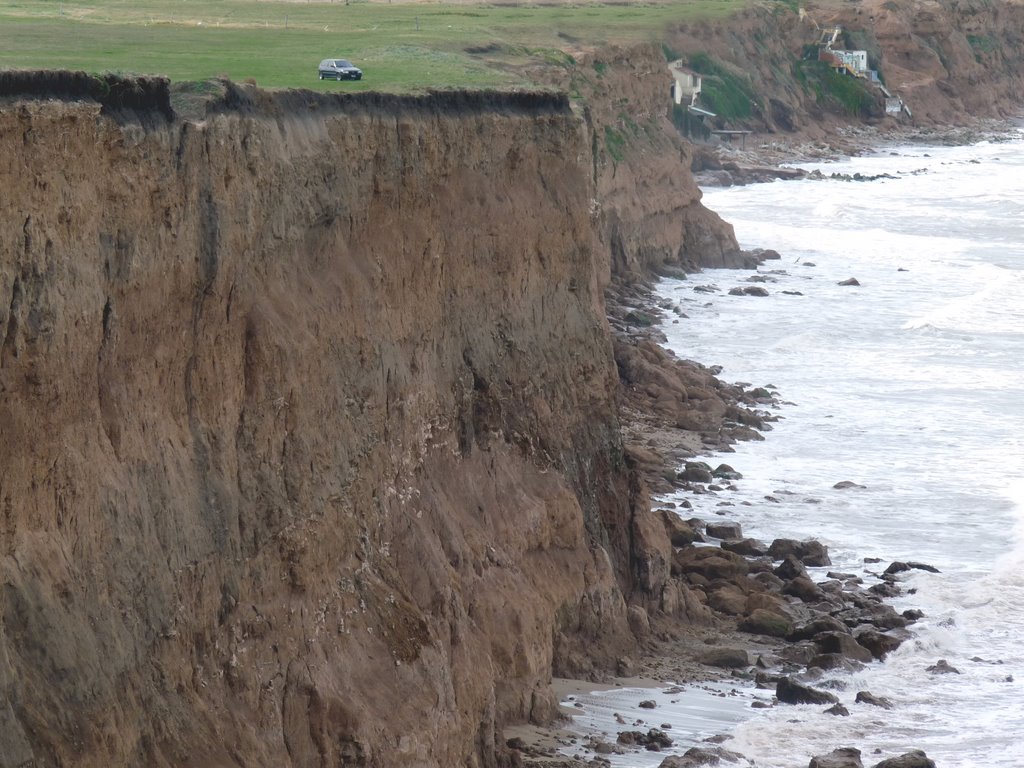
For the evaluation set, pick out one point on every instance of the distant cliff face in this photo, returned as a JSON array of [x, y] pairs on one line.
[[310, 453], [646, 207], [952, 61]]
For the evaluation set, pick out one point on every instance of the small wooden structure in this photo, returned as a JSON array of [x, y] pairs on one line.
[[731, 135]]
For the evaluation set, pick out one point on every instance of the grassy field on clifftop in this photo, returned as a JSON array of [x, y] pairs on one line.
[[400, 46]]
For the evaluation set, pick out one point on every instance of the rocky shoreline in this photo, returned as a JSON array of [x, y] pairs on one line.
[[771, 157], [753, 611]]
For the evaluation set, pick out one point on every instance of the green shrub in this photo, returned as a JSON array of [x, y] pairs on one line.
[[727, 93], [850, 94], [614, 143]]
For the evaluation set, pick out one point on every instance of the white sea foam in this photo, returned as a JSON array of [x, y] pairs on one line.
[[912, 385]]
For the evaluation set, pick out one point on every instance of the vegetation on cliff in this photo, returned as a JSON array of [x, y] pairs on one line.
[[399, 46]]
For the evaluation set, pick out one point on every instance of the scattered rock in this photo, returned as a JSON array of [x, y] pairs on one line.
[[636, 317], [866, 697], [648, 704], [845, 757], [750, 290], [602, 747], [838, 710], [943, 667], [849, 281], [900, 567], [654, 740], [701, 756], [914, 759], [788, 691], [844, 484]]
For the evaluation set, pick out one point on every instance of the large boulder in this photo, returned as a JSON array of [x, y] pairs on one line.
[[816, 626], [767, 601], [845, 757], [833, 661], [728, 599], [764, 621], [745, 547], [725, 472], [789, 691], [866, 697], [696, 472], [879, 643], [726, 529], [843, 644], [790, 568], [680, 532], [913, 759], [710, 563], [726, 658], [900, 567], [803, 588], [810, 552]]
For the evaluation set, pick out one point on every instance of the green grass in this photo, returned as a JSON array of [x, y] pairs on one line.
[[852, 95], [400, 47]]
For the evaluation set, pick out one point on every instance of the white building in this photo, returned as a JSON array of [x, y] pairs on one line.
[[685, 84], [855, 60]]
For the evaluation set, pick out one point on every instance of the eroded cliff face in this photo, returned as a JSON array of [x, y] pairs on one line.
[[310, 453]]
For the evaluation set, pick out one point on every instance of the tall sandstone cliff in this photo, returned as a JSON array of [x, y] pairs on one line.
[[310, 447]]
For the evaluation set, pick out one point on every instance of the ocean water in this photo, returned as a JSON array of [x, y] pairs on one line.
[[912, 385]]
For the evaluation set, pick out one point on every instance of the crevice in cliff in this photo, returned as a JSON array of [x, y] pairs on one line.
[[9, 350]]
